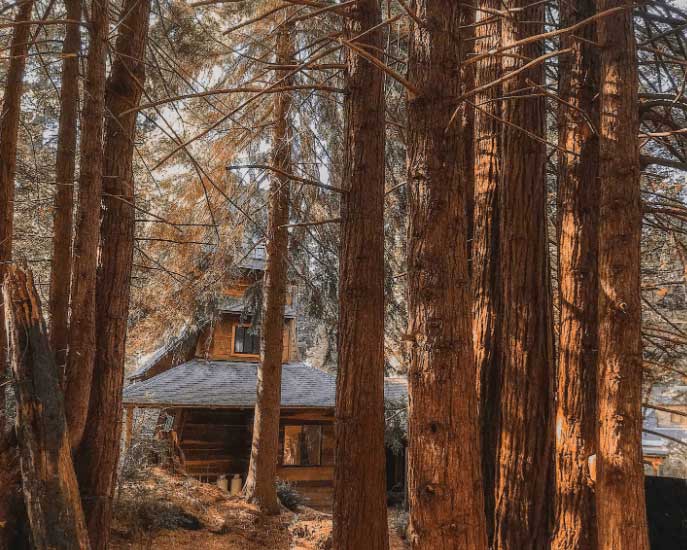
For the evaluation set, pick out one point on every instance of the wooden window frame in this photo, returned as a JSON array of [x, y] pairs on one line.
[[234, 328], [282, 443]]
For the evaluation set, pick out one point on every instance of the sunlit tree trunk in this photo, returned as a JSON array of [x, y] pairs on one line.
[[9, 128], [97, 456], [486, 244], [360, 518], [262, 473], [61, 267], [524, 474], [82, 329], [620, 478], [443, 442], [578, 214]]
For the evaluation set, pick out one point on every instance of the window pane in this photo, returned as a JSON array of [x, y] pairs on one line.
[[254, 339], [292, 445], [328, 442], [312, 445], [247, 340], [239, 333]]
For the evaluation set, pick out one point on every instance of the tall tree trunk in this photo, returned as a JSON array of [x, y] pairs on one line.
[[578, 218], [523, 478], [486, 245], [61, 271], [443, 442], [49, 484], [620, 477], [360, 519], [262, 474], [98, 454], [82, 331], [9, 128]]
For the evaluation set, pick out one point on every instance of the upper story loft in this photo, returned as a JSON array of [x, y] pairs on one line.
[[230, 335]]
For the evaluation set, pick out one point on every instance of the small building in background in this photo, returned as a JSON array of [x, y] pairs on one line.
[[664, 440], [202, 387]]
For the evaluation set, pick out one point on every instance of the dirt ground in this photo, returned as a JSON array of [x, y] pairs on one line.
[[166, 512]]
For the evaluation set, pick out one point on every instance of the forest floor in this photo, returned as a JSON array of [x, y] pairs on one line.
[[159, 511]]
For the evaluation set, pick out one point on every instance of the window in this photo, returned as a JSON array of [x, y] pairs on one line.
[[246, 340], [308, 445]]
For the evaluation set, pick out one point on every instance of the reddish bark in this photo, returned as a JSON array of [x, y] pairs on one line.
[[486, 246], [443, 442], [61, 268], [81, 355], [523, 476], [360, 518], [578, 214], [97, 456], [620, 476], [262, 474]]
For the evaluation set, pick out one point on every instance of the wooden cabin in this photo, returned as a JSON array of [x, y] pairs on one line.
[[204, 387]]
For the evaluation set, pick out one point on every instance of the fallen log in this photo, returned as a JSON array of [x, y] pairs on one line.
[[49, 484]]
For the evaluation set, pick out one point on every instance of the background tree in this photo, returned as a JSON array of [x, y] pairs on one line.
[[523, 463], [9, 128], [486, 243], [578, 213], [65, 165], [82, 328], [262, 473], [97, 458], [620, 487]]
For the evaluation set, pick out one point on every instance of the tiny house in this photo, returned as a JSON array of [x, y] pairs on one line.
[[204, 387]]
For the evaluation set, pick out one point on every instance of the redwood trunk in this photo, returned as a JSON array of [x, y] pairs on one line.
[[523, 477], [578, 211], [262, 474], [360, 518], [49, 484], [79, 370], [61, 267], [98, 454], [443, 442], [9, 128], [486, 246], [620, 479]]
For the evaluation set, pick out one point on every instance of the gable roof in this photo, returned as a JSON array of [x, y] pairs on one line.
[[228, 384]]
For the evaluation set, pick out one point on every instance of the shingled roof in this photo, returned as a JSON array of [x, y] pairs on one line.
[[226, 384]]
